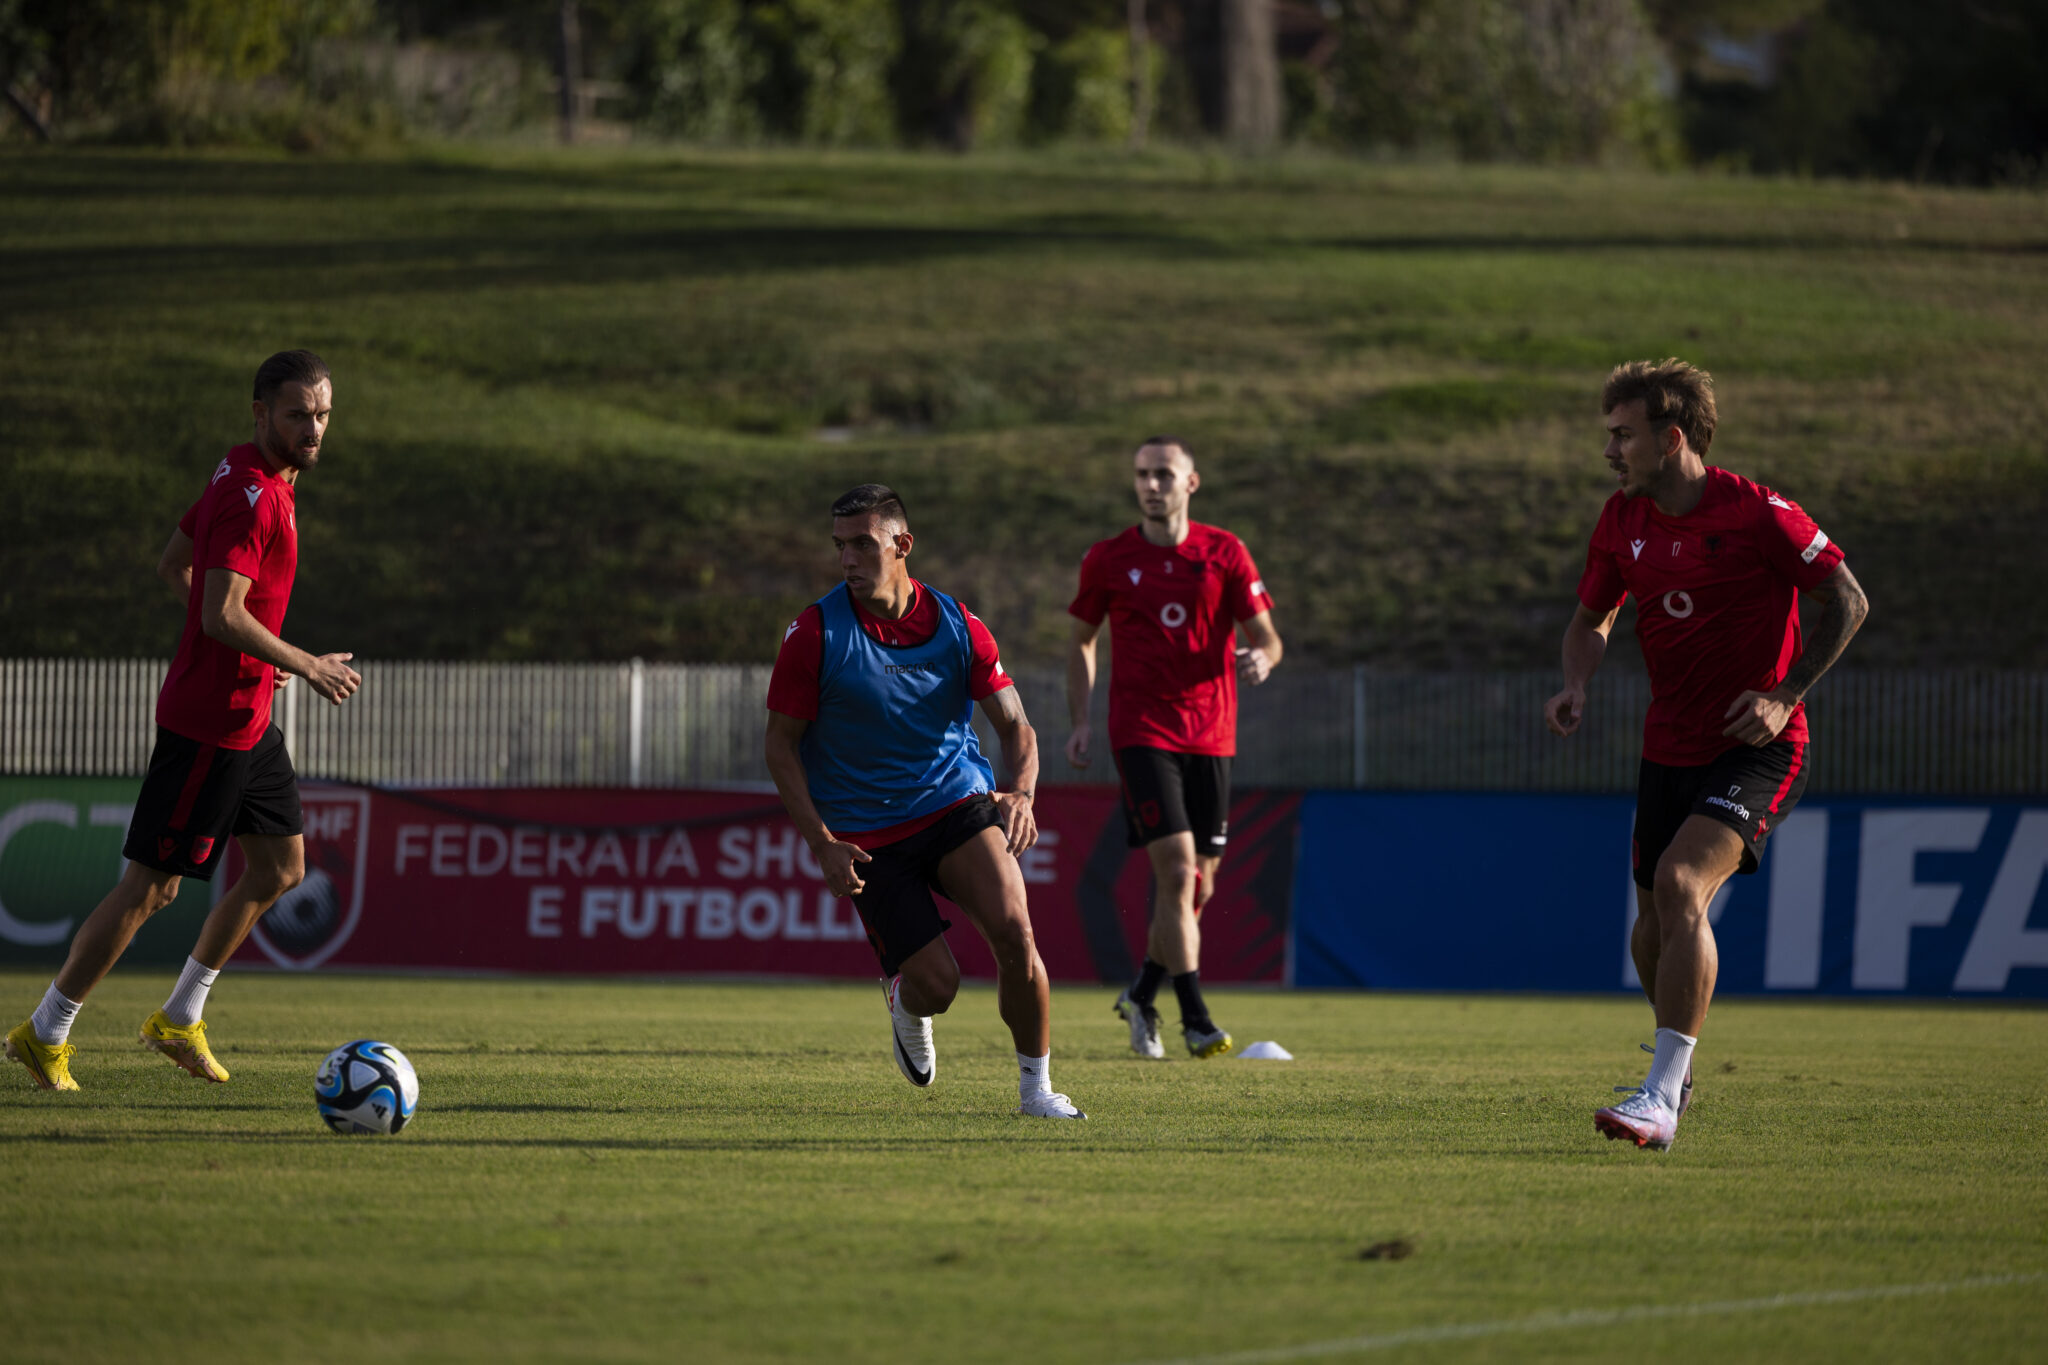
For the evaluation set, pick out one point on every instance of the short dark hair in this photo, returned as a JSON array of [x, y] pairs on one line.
[[288, 367], [1174, 441], [878, 498], [1673, 393]]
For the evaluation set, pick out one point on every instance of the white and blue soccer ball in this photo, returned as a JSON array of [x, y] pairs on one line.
[[366, 1087]]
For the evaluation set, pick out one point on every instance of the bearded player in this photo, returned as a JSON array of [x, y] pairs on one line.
[[219, 767], [871, 744], [1716, 565], [1173, 592]]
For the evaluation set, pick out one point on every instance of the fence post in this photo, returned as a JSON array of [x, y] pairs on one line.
[[1358, 725], [636, 725]]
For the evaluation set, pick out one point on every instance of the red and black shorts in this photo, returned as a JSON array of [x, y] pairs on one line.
[[895, 904], [1167, 792], [198, 795], [1750, 789]]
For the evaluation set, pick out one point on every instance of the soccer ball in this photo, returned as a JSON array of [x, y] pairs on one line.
[[366, 1087]]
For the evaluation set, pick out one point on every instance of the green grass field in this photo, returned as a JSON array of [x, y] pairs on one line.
[[695, 1172], [593, 404]]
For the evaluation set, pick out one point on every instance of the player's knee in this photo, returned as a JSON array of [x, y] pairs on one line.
[[1681, 893], [1180, 880], [1010, 939], [937, 983], [274, 880]]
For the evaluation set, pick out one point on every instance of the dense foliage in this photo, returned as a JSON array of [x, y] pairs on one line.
[[1883, 87]]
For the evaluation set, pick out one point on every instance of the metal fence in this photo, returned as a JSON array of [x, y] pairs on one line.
[[1982, 733]]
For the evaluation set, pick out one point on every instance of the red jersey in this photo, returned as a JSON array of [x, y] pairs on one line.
[[793, 686], [246, 522], [1172, 611], [1717, 604]]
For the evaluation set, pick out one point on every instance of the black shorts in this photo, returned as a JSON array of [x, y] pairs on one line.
[[1749, 789], [197, 795], [1166, 793], [896, 905]]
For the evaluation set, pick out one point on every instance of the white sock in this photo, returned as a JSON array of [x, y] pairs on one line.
[[1669, 1066], [1034, 1075], [52, 1019], [188, 997]]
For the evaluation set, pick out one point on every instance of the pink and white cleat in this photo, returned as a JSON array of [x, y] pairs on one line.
[[1641, 1118]]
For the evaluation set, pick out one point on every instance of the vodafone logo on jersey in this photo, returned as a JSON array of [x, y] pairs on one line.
[[1173, 615], [1678, 604]]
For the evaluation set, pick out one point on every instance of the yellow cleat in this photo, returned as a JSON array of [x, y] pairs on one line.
[[51, 1066], [185, 1046], [1205, 1042]]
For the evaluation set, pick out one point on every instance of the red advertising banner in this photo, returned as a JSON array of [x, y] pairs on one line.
[[597, 881]]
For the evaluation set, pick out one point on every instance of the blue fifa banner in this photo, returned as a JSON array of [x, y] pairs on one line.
[[1878, 896]]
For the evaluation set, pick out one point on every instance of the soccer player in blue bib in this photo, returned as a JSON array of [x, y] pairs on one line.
[[871, 744]]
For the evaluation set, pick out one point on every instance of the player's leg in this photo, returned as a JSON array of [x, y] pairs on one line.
[[919, 976], [42, 1042], [267, 825], [274, 865], [1155, 813], [983, 879], [178, 829], [1205, 801]]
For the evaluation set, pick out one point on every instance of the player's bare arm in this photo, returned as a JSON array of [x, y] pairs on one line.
[[1005, 711], [1585, 645], [224, 615], [1261, 655], [786, 766], [1759, 717], [1080, 687], [175, 568]]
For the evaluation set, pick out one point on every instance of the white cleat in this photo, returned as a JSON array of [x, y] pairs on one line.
[[1144, 1022], [1049, 1104], [1641, 1118], [911, 1040]]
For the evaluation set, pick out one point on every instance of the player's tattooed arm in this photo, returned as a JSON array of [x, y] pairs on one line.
[[1005, 711], [175, 568], [1759, 717], [1585, 645], [836, 858]]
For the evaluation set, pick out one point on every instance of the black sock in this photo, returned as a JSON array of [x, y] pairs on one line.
[[1193, 1013], [1147, 984]]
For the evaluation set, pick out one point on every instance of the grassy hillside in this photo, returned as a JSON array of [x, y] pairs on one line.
[[593, 405]]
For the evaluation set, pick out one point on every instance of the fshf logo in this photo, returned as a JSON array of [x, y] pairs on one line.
[[314, 919]]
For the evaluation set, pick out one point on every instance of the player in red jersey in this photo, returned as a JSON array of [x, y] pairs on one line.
[[871, 744], [1716, 565], [1173, 591], [219, 767]]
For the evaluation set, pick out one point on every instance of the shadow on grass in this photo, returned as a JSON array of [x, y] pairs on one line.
[[970, 1133]]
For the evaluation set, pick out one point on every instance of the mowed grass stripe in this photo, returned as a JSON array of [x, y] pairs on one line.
[[1608, 1317]]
